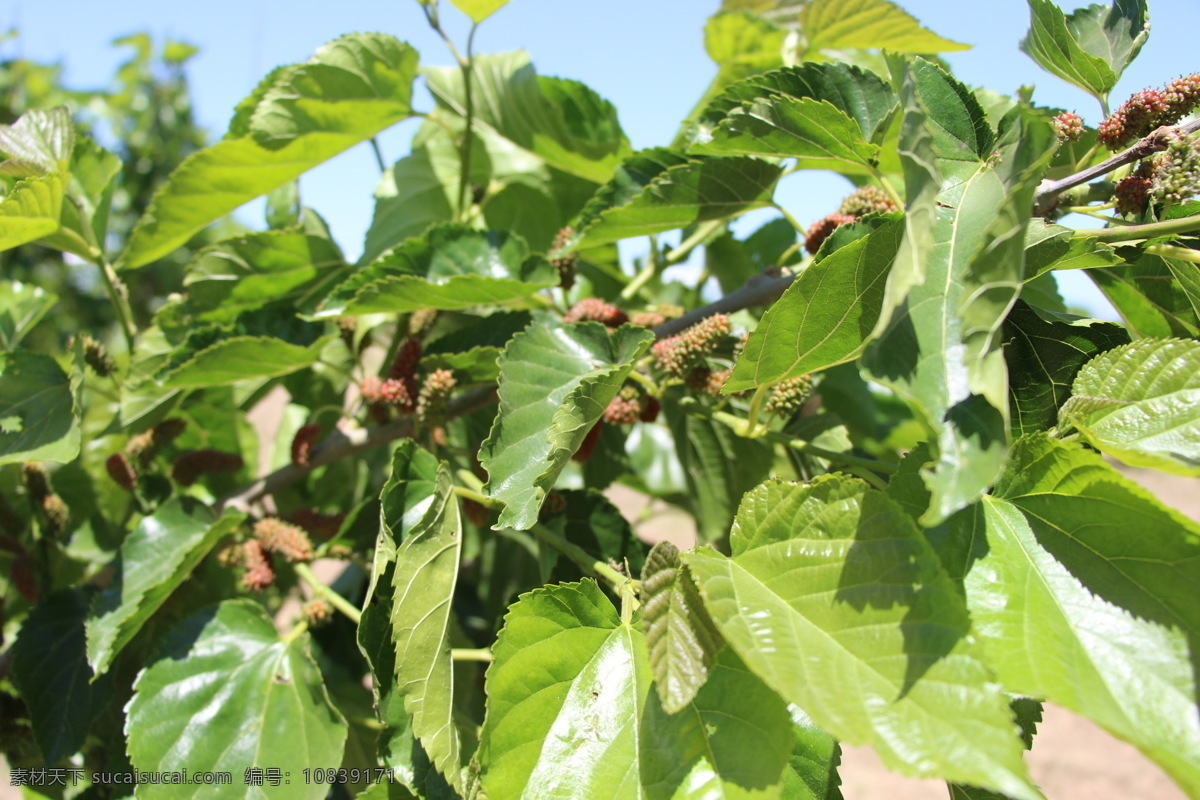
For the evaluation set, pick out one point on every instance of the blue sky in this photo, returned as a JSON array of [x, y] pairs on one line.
[[646, 56]]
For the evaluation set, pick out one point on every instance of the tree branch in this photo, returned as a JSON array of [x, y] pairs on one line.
[[759, 290], [1153, 142], [342, 444]]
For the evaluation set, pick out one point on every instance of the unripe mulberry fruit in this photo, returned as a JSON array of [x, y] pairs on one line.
[[788, 395], [588, 444], [716, 381], [188, 468], [57, 514], [347, 326], [435, 393], [1137, 117], [317, 612], [596, 310], [36, 480], [820, 230], [420, 323], [563, 259], [121, 471], [555, 503], [407, 360], [1182, 96], [1131, 194], [475, 513], [867, 200], [625, 408], [679, 354], [145, 446], [1177, 170], [302, 443], [395, 392], [1068, 126], [96, 356], [648, 319], [284, 538], [260, 573]]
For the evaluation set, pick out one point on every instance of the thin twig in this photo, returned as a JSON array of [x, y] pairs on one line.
[[1154, 142], [759, 290], [305, 573], [341, 444]]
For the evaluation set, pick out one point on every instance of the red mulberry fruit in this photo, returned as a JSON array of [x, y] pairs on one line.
[[595, 310]]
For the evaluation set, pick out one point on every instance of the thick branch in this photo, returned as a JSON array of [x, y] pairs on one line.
[[341, 444], [1154, 142], [759, 290]]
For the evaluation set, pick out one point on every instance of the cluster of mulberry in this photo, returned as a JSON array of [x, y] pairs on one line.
[[420, 323], [317, 612], [37, 483], [1148, 110], [788, 395], [680, 354], [868, 200], [284, 538], [190, 466], [145, 446], [1068, 126], [592, 309], [434, 394], [121, 471], [820, 230], [1132, 193], [1177, 170], [260, 572], [563, 259], [630, 406], [96, 356], [302, 443]]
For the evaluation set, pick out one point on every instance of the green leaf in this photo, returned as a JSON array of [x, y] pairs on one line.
[[350, 90], [731, 741], [40, 141], [719, 466], [248, 272], [590, 520], [813, 567], [479, 10], [51, 670], [738, 40], [571, 713], [242, 358], [417, 191], [681, 638], [230, 695], [39, 409], [1141, 403], [451, 267], [733, 261], [1151, 301], [1080, 586], [702, 189], [555, 382], [565, 695], [420, 517], [1043, 359], [156, 557], [1090, 47], [1050, 247], [811, 773], [869, 24], [825, 317], [940, 346], [632, 176], [562, 122], [31, 209], [21, 307], [859, 94]]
